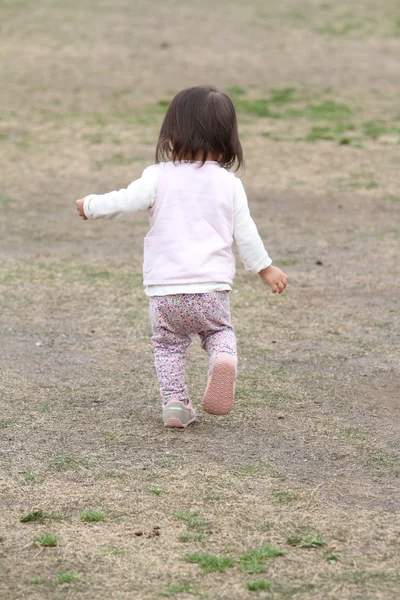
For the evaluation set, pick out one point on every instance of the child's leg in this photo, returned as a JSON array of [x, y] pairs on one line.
[[219, 341], [170, 350], [170, 356], [218, 338]]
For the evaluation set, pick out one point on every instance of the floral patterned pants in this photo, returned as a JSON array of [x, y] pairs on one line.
[[173, 319]]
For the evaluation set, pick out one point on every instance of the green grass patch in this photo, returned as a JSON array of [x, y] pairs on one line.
[[94, 138], [285, 496], [108, 435], [345, 141], [370, 583], [31, 478], [396, 27], [308, 541], [257, 108], [57, 516], [58, 117], [374, 129], [92, 516], [67, 577], [190, 518], [282, 96], [164, 103], [47, 540], [329, 110], [178, 588], [319, 132], [62, 462], [34, 515], [149, 115], [4, 423], [332, 557], [258, 586], [235, 90], [210, 563], [358, 181], [191, 537], [253, 561], [393, 198], [156, 491], [36, 580], [5, 201], [337, 29]]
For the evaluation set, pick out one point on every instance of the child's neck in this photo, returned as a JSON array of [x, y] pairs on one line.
[[210, 156]]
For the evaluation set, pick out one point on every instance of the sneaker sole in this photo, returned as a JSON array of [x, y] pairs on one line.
[[220, 393], [177, 423]]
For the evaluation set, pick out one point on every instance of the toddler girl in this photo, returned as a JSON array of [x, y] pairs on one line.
[[197, 208]]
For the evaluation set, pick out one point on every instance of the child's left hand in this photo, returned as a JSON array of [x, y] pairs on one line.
[[79, 208], [275, 278]]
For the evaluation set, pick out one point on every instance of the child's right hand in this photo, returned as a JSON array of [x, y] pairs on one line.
[[275, 278], [79, 208]]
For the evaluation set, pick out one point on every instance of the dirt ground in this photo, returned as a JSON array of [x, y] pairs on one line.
[[295, 494]]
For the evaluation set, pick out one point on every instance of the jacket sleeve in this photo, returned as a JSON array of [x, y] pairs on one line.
[[250, 245], [139, 195]]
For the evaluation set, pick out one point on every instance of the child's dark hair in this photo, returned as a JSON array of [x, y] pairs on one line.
[[200, 122]]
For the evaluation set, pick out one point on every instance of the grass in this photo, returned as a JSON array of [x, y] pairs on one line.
[[338, 29], [68, 576], [34, 515], [190, 518], [57, 516], [39, 515], [178, 588], [5, 201], [92, 516], [156, 491], [210, 563], [374, 129], [282, 96], [332, 556], [319, 132], [254, 560], [36, 580], [191, 537], [235, 90], [47, 540], [329, 110], [308, 541], [62, 462], [356, 181], [94, 138], [285, 496], [257, 108], [333, 118], [225, 467], [258, 586], [32, 478]]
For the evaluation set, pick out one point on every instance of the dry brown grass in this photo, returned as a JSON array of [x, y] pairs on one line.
[[312, 445]]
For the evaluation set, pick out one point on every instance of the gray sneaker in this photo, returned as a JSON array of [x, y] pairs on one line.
[[177, 414]]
